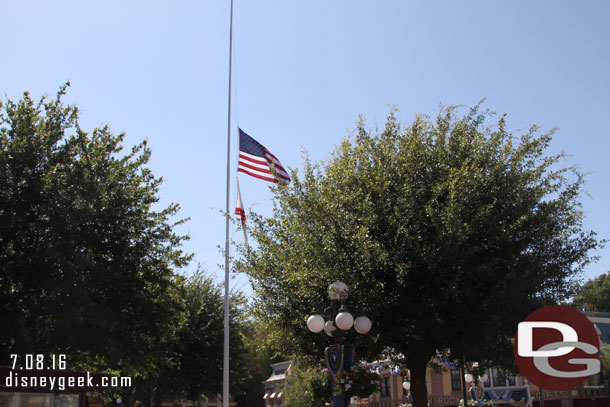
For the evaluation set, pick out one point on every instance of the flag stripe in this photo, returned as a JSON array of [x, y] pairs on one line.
[[255, 168], [256, 175], [281, 176], [281, 173], [255, 164], [271, 155], [261, 170], [277, 165], [272, 158], [246, 160], [254, 158]]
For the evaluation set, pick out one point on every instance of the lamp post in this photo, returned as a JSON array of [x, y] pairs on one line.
[[476, 392], [407, 386], [336, 320]]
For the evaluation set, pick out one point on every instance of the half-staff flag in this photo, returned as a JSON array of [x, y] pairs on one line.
[[239, 210], [256, 160], [239, 206]]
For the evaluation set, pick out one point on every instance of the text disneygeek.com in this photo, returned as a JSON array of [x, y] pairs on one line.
[[84, 380]]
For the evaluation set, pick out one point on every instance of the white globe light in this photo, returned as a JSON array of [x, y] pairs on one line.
[[406, 385], [315, 323], [468, 377], [344, 320], [362, 325], [329, 327], [338, 291]]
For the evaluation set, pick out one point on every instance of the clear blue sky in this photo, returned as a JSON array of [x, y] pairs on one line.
[[304, 71]]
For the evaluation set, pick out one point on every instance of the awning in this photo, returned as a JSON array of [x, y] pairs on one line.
[[272, 396], [266, 396], [279, 395]]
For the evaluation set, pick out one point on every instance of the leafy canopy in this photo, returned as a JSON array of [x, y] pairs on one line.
[[448, 232], [305, 387], [87, 259], [89, 262], [594, 295], [196, 355]]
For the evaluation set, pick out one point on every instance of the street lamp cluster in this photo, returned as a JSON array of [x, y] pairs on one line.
[[470, 378], [337, 315], [335, 321]]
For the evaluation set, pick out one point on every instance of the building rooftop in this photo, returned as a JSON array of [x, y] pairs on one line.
[[279, 371], [602, 321]]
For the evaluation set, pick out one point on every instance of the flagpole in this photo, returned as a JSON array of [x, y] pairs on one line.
[[225, 365]]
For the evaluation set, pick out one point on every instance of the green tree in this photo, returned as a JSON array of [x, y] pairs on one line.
[[594, 295], [260, 351], [195, 370], [87, 258], [604, 358], [306, 387], [88, 262], [448, 232]]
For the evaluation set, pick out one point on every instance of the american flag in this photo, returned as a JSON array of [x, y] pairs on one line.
[[256, 160]]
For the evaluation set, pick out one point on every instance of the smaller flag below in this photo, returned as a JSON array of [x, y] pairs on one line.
[[239, 206], [257, 161], [239, 210]]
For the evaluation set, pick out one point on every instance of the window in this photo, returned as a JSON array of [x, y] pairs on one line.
[[385, 387], [456, 380], [487, 383], [502, 379], [496, 377]]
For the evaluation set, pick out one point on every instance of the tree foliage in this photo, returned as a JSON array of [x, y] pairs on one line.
[[195, 360], [86, 258], [306, 387], [448, 232], [594, 295], [604, 358], [89, 262], [258, 353]]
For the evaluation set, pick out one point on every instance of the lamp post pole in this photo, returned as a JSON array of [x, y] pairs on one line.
[[336, 320], [465, 377], [407, 386], [477, 393]]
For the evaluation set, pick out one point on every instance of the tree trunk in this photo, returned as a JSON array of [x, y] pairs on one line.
[[157, 398], [418, 382]]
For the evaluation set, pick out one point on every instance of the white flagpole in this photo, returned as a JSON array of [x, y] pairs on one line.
[[225, 365]]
